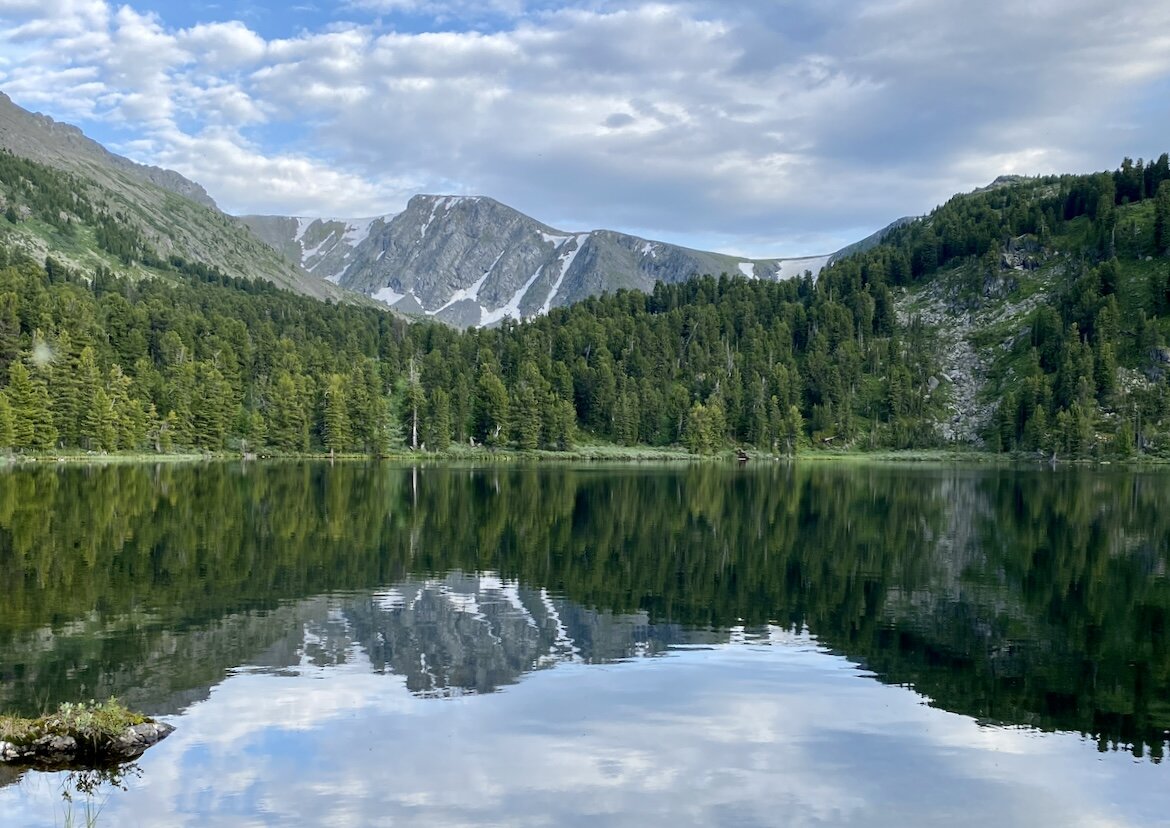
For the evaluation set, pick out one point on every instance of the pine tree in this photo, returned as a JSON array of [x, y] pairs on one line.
[[130, 417], [6, 423], [257, 430], [288, 422], [83, 421], [100, 422], [31, 413], [338, 436], [9, 330], [1124, 441], [1162, 219], [793, 430], [215, 408], [697, 434], [166, 433], [564, 426], [439, 421], [181, 395], [491, 408], [776, 425]]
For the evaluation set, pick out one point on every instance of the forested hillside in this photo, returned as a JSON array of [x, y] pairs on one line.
[[99, 361]]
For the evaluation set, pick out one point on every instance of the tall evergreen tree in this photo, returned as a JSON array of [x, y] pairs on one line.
[[6, 423], [439, 420], [338, 436], [32, 417], [1162, 219]]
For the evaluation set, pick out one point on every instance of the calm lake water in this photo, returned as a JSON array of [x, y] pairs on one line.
[[772, 645]]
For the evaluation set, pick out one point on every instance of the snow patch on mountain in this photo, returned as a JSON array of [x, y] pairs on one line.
[[566, 262], [795, 268], [748, 269], [463, 294], [389, 296], [358, 230], [512, 309]]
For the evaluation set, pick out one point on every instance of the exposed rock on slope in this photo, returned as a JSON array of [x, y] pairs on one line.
[[472, 261], [958, 321], [40, 138], [325, 247]]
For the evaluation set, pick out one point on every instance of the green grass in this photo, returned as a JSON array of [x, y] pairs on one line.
[[90, 723]]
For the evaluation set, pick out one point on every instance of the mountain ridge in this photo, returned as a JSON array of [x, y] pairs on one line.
[[472, 261], [40, 137], [170, 215]]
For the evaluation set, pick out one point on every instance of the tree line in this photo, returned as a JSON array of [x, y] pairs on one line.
[[1055, 619], [197, 360]]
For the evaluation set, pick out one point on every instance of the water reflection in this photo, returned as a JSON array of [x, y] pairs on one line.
[[1013, 597], [758, 733]]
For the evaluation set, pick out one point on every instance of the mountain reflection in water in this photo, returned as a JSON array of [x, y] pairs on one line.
[[1018, 597]]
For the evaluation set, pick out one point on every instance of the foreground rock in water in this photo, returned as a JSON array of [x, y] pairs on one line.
[[63, 750], [78, 736]]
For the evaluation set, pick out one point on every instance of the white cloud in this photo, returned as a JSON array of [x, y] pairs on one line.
[[754, 125], [223, 46], [728, 735]]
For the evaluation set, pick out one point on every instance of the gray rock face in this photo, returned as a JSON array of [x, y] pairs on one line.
[[472, 261], [324, 247]]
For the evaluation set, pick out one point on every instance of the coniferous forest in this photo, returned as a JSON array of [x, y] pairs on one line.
[[191, 359]]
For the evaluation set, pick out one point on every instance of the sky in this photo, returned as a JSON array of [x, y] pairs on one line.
[[778, 128]]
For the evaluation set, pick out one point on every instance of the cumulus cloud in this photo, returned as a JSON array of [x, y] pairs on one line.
[[764, 129]]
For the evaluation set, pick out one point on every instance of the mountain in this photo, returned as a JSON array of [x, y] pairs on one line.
[[167, 213], [39, 138], [873, 240], [473, 262], [323, 247]]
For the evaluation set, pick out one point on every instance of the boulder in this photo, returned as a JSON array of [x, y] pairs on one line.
[[64, 751]]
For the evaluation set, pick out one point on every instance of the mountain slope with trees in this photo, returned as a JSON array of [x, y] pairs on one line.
[[79, 182], [1068, 275]]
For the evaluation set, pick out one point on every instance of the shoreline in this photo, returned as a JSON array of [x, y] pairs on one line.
[[587, 454]]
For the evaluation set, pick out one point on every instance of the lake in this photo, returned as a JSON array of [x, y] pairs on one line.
[[777, 644]]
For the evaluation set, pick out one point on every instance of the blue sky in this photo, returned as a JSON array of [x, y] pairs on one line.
[[757, 128]]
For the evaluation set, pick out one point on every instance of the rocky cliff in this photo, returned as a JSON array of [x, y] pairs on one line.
[[472, 261]]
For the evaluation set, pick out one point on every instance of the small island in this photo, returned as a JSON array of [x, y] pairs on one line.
[[78, 736]]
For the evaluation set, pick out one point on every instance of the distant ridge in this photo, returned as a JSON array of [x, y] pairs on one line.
[[472, 261]]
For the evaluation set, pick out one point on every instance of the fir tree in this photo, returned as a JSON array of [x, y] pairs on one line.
[[6, 423], [337, 431], [32, 417]]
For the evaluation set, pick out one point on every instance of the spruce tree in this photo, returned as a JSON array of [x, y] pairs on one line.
[[337, 431], [6, 423], [439, 421], [1162, 219], [32, 417]]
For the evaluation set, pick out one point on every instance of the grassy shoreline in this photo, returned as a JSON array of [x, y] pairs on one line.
[[588, 453]]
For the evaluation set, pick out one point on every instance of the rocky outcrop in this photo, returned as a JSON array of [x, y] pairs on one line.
[[62, 750], [324, 247]]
